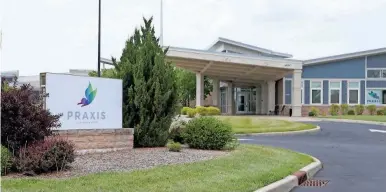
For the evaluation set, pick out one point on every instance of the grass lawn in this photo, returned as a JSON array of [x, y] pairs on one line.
[[242, 124], [378, 118], [245, 169]]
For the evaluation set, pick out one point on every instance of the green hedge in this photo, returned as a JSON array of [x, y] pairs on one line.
[[203, 111]]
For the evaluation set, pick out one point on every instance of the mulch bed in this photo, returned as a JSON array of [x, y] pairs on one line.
[[128, 160]]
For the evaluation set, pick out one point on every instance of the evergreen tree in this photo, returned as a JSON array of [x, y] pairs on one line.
[[149, 87]]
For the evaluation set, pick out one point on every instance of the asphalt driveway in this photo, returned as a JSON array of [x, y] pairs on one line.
[[354, 158]]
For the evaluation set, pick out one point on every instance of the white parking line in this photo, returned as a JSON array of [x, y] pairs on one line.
[[376, 130], [245, 139]]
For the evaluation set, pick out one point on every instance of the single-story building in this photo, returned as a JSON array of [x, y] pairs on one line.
[[253, 80]]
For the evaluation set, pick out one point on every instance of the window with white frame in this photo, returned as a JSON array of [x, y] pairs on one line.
[[316, 92], [353, 92], [302, 92], [334, 92], [376, 73]]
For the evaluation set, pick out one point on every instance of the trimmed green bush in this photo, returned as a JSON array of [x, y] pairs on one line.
[[184, 110], [372, 109], [207, 133], [380, 112], [334, 109], [213, 111], [202, 110], [350, 112], [191, 112], [6, 160], [359, 109], [174, 146], [313, 112], [175, 131], [344, 109]]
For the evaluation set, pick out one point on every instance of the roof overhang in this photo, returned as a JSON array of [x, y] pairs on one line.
[[345, 56], [236, 68], [250, 47]]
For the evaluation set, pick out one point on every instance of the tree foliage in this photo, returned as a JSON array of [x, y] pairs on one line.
[[186, 84], [149, 87], [23, 118]]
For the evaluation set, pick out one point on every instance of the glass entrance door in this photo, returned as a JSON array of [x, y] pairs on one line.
[[242, 102]]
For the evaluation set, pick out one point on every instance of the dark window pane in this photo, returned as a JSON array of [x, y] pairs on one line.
[[353, 97], [316, 96], [334, 96], [374, 73]]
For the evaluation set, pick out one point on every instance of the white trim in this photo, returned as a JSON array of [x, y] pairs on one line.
[[236, 59], [249, 47], [302, 92], [345, 56], [335, 79], [321, 92], [284, 78], [348, 92], [330, 89]]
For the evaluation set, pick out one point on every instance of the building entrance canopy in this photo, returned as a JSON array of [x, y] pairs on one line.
[[238, 70], [229, 67]]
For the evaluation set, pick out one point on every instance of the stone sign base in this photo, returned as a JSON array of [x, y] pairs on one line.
[[98, 140]]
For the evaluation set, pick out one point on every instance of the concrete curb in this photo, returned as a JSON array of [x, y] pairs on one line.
[[353, 121], [297, 178], [282, 133]]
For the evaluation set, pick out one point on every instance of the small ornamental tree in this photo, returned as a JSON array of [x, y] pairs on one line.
[[149, 97], [23, 118]]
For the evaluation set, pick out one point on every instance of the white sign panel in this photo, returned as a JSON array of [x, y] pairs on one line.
[[374, 97], [85, 102]]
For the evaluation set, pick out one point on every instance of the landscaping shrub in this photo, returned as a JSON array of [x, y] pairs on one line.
[[174, 146], [175, 131], [24, 121], [184, 110], [6, 160], [207, 133], [192, 112], [213, 111], [313, 112], [359, 109], [372, 109], [344, 109], [334, 109], [53, 154], [350, 112], [232, 144], [380, 112], [203, 111]]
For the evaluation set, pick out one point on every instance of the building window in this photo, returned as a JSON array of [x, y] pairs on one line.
[[316, 92], [353, 92], [375, 96], [376, 73], [335, 92], [301, 92]]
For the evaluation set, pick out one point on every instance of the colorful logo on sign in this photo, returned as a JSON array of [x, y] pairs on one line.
[[373, 95], [89, 96]]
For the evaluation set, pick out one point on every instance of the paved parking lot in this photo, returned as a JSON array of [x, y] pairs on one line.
[[354, 158]]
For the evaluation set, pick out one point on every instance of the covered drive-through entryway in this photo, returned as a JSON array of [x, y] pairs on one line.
[[250, 80]]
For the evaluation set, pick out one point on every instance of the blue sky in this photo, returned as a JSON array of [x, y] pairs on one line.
[[58, 35]]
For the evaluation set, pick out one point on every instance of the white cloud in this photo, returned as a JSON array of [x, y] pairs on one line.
[[55, 35]]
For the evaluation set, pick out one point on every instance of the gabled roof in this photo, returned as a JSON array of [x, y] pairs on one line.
[[345, 56], [250, 47]]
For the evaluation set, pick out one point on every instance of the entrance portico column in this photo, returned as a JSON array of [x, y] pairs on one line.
[[271, 95], [296, 93], [230, 98], [215, 92], [199, 89]]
